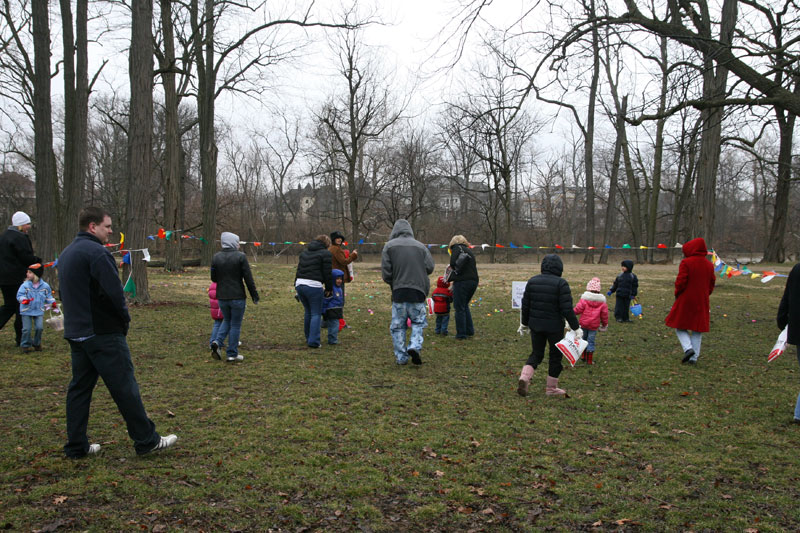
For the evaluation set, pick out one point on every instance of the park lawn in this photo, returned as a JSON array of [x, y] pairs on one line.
[[342, 439]]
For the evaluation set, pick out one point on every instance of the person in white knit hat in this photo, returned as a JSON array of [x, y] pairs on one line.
[[16, 253]]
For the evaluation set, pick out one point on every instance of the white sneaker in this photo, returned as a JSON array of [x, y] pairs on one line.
[[164, 443], [236, 359], [94, 449]]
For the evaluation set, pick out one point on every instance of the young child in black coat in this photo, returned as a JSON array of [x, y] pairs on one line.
[[547, 301], [627, 287]]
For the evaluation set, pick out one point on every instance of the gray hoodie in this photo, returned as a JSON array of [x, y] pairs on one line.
[[406, 262]]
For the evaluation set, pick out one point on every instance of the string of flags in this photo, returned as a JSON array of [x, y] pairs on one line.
[[724, 270]]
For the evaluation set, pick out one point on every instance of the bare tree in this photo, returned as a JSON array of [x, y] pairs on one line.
[[140, 143], [361, 115]]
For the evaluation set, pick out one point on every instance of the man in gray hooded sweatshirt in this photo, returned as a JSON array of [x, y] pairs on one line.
[[406, 264], [228, 269]]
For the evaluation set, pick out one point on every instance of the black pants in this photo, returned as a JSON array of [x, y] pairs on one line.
[[622, 309], [106, 356], [10, 308], [539, 339]]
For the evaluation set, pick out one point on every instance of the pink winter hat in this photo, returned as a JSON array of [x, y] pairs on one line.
[[593, 285]]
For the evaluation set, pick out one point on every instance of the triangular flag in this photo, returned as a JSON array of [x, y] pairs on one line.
[[512, 245], [626, 246], [130, 286], [146, 254], [360, 241], [526, 247], [121, 239]]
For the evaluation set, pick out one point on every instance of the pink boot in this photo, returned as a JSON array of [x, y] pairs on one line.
[[552, 388], [524, 380]]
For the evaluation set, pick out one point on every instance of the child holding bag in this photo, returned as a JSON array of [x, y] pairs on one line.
[[547, 301], [593, 311]]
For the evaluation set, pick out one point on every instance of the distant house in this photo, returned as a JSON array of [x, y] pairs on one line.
[[17, 193]]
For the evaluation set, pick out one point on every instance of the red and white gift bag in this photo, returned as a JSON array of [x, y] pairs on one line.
[[780, 346], [571, 348]]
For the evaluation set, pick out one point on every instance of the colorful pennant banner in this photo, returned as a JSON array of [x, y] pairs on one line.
[[724, 270]]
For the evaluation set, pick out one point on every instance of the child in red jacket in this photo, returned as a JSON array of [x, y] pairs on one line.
[[442, 296], [593, 311]]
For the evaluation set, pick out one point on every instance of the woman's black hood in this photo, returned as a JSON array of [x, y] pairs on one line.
[[552, 264]]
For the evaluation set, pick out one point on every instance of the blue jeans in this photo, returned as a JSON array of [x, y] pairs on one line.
[[797, 405], [231, 327], [333, 331], [31, 331], [442, 321], [401, 312], [311, 298], [462, 294], [214, 330], [106, 356], [588, 336]]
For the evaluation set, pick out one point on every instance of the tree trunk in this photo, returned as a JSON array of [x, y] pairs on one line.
[[612, 186], [658, 155], [714, 88], [140, 143], [76, 113], [588, 142], [775, 250], [172, 141], [48, 226], [206, 84]]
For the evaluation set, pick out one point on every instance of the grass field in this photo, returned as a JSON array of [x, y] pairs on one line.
[[342, 439]]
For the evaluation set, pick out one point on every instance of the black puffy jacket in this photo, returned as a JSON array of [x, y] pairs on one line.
[[228, 268], [469, 271], [548, 300], [16, 255], [789, 309], [315, 264], [627, 284]]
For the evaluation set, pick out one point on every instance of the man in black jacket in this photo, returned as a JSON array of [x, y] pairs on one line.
[[547, 301], [16, 253], [95, 324]]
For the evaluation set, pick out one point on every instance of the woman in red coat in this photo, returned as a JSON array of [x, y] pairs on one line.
[[693, 286]]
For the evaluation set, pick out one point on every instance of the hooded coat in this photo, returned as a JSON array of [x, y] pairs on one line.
[[314, 264], [626, 285], [693, 286], [332, 305], [442, 296], [547, 300], [593, 310], [406, 263], [16, 253], [213, 303], [229, 268], [789, 309]]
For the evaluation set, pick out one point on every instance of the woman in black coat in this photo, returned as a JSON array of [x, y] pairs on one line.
[[789, 315], [465, 282], [312, 281]]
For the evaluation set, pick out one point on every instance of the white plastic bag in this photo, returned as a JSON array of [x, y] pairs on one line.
[[571, 347], [780, 345], [56, 321]]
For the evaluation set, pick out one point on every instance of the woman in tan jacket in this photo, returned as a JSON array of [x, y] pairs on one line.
[[340, 259]]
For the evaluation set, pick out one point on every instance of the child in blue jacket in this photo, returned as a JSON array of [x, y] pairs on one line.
[[333, 306], [34, 295], [627, 287]]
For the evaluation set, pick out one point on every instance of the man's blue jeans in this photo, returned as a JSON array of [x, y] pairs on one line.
[[462, 294], [311, 298], [401, 312], [106, 356], [31, 331], [231, 327]]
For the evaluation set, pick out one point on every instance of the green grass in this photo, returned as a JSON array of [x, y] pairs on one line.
[[342, 439]]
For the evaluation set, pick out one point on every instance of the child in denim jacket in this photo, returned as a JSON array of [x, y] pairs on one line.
[[333, 306], [34, 296]]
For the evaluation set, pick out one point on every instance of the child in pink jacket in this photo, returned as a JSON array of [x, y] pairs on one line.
[[593, 312], [216, 314]]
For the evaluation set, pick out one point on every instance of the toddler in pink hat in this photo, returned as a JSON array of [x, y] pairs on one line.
[[593, 312]]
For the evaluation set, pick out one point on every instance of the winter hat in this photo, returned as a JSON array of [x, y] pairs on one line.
[[337, 235], [37, 269], [229, 240], [20, 218], [593, 285]]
